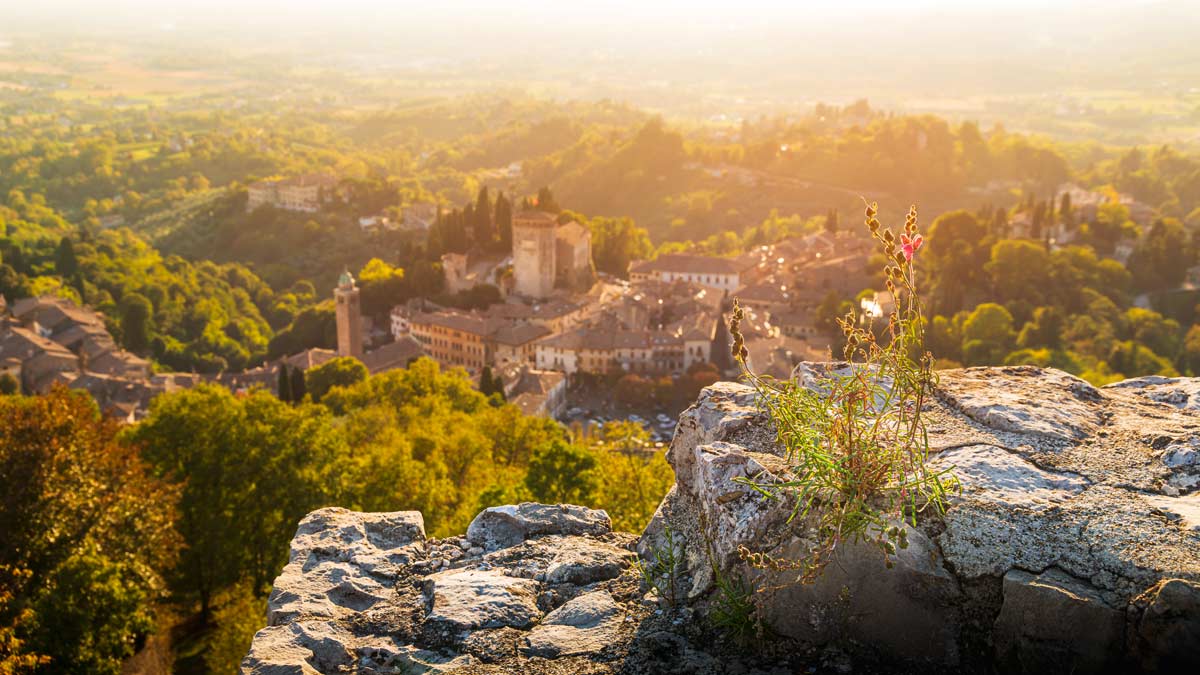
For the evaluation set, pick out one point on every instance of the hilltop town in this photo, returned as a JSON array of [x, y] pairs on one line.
[[557, 320], [552, 329]]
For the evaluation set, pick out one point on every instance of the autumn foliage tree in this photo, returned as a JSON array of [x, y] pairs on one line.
[[81, 516]]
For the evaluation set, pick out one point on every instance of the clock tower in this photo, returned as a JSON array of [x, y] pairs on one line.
[[349, 317]]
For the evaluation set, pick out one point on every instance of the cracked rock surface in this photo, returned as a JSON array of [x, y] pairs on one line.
[[1080, 510]]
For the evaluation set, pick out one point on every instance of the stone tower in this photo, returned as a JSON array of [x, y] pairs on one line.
[[349, 318], [533, 253]]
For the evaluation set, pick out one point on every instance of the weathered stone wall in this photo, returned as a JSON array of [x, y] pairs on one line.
[[1073, 547], [1076, 535]]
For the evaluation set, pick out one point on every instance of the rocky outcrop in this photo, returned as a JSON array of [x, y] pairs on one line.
[[1074, 546], [1077, 518], [531, 589]]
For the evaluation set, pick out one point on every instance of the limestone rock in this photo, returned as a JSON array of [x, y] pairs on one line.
[[1052, 622], [587, 561], [504, 526], [302, 648], [584, 625], [366, 593], [387, 656], [1025, 400], [1169, 628], [1178, 392], [1005, 477], [342, 562], [913, 610], [379, 543], [736, 514], [327, 590], [1093, 489], [1184, 511], [482, 599]]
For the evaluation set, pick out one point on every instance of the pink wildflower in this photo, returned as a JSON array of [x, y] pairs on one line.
[[910, 246]]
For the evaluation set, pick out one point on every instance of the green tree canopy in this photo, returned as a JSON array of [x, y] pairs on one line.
[[250, 467], [562, 473], [987, 335], [343, 371]]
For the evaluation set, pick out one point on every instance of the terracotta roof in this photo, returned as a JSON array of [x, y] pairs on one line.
[[455, 320], [538, 381], [23, 343], [42, 382], [119, 362], [310, 358], [792, 317], [605, 339], [530, 403], [689, 264], [117, 394], [54, 313], [77, 334], [392, 355], [766, 291], [517, 334]]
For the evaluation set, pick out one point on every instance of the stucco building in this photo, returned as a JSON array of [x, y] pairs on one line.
[[300, 193]]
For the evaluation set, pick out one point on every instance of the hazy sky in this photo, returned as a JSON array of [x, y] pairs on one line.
[[718, 14], [923, 47]]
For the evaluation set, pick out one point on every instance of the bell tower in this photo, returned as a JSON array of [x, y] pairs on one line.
[[349, 317]]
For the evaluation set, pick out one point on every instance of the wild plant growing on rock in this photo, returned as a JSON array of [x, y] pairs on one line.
[[854, 437]]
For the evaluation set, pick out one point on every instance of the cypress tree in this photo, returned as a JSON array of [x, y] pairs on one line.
[[298, 386], [721, 356], [485, 234], [65, 262], [504, 221], [546, 201], [468, 223], [456, 232], [1064, 208], [284, 386], [831, 221]]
